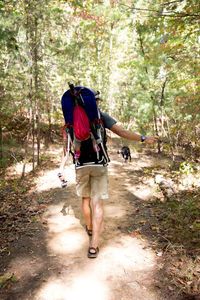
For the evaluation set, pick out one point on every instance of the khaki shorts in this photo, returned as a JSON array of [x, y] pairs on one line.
[[92, 182]]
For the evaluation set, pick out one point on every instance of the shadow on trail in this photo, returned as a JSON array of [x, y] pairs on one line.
[[52, 261], [171, 228]]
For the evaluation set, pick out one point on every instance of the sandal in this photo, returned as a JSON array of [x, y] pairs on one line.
[[93, 254], [89, 231]]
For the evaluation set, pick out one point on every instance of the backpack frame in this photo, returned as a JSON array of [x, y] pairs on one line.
[[82, 99]]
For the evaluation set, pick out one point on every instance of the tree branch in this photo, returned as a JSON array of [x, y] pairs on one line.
[[171, 14], [142, 49], [162, 93], [167, 3]]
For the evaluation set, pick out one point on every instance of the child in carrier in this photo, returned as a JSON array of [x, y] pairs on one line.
[[80, 111], [77, 145]]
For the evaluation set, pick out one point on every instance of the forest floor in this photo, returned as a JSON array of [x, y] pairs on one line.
[[148, 248]]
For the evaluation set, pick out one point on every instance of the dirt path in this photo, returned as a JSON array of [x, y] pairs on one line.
[[50, 262]]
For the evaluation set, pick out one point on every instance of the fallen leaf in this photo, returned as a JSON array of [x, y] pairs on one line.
[[135, 233], [195, 287], [142, 221], [175, 264], [43, 206], [5, 278], [155, 228], [181, 281]]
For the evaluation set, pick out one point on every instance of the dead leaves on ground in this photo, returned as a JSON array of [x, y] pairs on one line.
[[6, 280], [179, 226], [135, 233], [183, 270], [175, 228], [18, 210]]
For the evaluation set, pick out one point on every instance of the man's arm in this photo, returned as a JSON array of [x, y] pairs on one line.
[[64, 158], [133, 136]]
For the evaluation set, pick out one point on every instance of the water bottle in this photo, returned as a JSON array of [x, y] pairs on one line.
[[64, 182]]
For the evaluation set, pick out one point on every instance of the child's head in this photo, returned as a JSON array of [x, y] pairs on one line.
[[97, 95]]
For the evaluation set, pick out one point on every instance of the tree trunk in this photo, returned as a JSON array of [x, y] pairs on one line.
[[155, 124], [32, 116], [1, 144], [38, 134], [26, 150], [30, 36], [142, 49], [111, 99], [35, 63], [170, 142], [48, 134]]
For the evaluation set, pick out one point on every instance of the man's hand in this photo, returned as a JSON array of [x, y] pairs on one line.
[[151, 139]]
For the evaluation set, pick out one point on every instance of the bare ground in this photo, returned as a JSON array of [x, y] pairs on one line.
[[46, 259]]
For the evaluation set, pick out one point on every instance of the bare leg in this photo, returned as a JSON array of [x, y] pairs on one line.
[[77, 147], [96, 222], [87, 211]]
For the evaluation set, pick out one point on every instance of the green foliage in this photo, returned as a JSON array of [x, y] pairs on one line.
[[5, 279], [180, 219], [143, 58], [186, 168]]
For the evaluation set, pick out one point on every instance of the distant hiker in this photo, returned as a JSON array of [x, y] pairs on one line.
[[91, 166]]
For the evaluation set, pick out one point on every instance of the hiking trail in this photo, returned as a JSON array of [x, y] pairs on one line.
[[49, 260]]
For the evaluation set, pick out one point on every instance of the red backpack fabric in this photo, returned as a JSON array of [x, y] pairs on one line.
[[81, 123]]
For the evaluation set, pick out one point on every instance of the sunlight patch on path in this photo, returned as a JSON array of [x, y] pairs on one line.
[[67, 242], [125, 253], [138, 162], [114, 211], [65, 231], [49, 179], [85, 287], [16, 169], [121, 270], [142, 192], [126, 266]]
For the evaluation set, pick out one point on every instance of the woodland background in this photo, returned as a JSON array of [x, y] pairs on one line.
[[143, 56]]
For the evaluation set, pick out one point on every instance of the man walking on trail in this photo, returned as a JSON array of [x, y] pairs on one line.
[[92, 181]]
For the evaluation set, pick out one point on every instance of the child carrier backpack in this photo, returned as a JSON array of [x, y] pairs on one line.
[[82, 119]]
